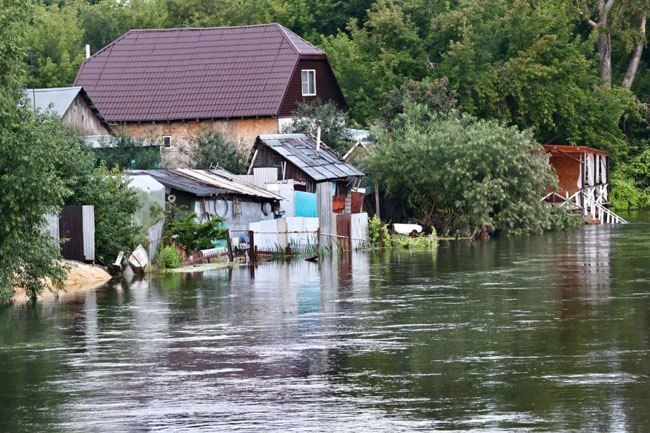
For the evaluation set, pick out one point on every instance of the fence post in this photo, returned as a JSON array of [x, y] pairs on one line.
[[230, 255], [251, 245]]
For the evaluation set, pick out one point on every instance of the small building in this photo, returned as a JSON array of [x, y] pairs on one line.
[[216, 193], [583, 176], [168, 85], [309, 164], [73, 106]]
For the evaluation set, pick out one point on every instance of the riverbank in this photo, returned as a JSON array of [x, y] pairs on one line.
[[80, 277]]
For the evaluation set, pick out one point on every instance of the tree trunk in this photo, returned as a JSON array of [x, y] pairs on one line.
[[605, 55], [636, 57]]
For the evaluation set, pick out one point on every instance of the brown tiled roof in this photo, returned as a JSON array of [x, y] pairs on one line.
[[182, 74]]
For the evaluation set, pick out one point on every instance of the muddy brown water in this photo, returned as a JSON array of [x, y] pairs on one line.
[[545, 333]]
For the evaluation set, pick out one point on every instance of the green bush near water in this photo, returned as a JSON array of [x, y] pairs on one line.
[[169, 258]]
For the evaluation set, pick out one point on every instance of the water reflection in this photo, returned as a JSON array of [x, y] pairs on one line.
[[541, 333]]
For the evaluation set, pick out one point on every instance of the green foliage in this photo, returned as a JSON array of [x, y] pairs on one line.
[[182, 228], [332, 121], [378, 233], [127, 153], [434, 94], [626, 195], [54, 61], [562, 219], [29, 182], [169, 258], [213, 149], [414, 242], [470, 173], [115, 203]]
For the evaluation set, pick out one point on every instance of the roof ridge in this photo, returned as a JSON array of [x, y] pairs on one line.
[[169, 29], [52, 89]]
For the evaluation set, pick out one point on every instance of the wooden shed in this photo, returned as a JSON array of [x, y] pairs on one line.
[[583, 176]]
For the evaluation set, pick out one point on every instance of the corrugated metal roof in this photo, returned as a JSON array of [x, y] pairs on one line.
[[194, 73], [300, 150], [203, 183], [57, 99]]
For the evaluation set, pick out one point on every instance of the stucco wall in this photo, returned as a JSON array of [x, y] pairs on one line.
[[241, 131]]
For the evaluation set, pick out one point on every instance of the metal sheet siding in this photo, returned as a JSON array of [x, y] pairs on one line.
[[71, 232], [88, 228]]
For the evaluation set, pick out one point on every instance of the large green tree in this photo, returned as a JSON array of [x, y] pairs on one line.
[[471, 174]]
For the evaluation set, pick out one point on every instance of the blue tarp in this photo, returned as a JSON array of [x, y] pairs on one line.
[[304, 204]]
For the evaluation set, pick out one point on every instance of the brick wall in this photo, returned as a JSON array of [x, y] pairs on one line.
[[241, 131]]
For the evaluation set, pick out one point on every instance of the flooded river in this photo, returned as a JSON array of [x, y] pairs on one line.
[[548, 333]]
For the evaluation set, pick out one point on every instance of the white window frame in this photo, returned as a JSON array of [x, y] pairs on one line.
[[307, 73], [171, 141]]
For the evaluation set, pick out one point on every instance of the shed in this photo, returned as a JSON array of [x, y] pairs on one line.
[[579, 169], [218, 193], [72, 105]]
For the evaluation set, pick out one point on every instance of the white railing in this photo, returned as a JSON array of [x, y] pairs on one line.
[[591, 202]]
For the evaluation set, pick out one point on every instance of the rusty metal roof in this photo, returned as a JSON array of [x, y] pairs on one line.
[[300, 150], [204, 183], [564, 148], [194, 73]]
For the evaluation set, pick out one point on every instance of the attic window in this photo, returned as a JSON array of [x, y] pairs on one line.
[[167, 141], [308, 77]]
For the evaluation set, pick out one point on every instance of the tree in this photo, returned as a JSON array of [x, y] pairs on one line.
[[472, 174], [309, 116], [611, 18], [29, 183], [212, 149]]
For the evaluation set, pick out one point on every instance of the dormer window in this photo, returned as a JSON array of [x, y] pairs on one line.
[[308, 82]]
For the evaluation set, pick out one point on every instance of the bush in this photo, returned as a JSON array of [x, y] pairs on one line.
[[466, 172], [183, 228], [169, 258], [212, 149], [562, 219], [378, 232], [115, 203], [625, 195], [415, 242]]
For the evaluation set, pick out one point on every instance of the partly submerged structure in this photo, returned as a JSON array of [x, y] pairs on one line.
[[309, 163], [216, 193], [583, 176]]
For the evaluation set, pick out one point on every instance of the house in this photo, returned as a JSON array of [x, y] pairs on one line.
[[171, 84], [73, 106], [310, 164], [583, 176], [216, 193]]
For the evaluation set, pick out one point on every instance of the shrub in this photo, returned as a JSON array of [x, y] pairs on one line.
[[212, 149], [415, 242], [183, 228], [377, 232], [562, 219], [169, 258], [469, 173]]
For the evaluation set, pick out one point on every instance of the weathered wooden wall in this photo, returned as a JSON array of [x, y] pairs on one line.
[[241, 131], [83, 119]]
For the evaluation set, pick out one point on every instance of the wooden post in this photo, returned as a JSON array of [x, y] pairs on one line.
[[230, 255], [251, 245], [377, 212]]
